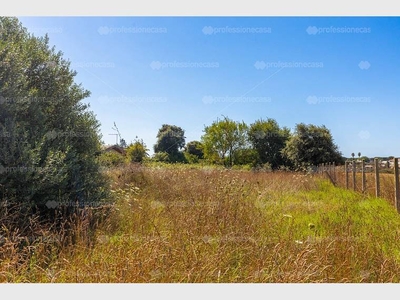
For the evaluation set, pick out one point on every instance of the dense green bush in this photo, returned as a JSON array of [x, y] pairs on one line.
[[49, 138], [191, 158], [195, 148], [137, 151], [111, 159], [161, 157]]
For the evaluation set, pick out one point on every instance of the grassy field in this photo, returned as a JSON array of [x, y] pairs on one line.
[[199, 224]]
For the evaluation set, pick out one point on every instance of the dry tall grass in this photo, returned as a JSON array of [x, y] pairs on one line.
[[210, 225]]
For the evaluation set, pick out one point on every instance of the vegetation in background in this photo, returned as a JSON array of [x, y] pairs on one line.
[[171, 139], [222, 139], [262, 145], [195, 148], [311, 145], [137, 151], [111, 159], [268, 139]]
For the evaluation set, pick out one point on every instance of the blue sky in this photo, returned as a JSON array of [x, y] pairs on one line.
[[341, 72]]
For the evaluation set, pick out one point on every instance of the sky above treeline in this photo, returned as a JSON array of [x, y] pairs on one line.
[[142, 72]]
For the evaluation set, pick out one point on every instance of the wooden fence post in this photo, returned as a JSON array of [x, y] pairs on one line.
[[354, 174], [377, 185], [363, 176], [346, 171], [334, 172], [396, 180]]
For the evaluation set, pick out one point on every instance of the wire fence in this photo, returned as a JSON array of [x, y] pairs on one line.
[[370, 179]]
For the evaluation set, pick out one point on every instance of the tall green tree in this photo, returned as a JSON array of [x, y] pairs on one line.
[[222, 139], [170, 139], [311, 145], [268, 139], [48, 135]]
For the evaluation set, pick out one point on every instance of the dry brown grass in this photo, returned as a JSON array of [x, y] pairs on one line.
[[187, 224]]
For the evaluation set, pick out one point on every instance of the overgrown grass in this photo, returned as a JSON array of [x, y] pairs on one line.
[[199, 224], [386, 179]]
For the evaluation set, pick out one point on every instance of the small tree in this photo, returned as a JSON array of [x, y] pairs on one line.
[[137, 151], [195, 148], [223, 138]]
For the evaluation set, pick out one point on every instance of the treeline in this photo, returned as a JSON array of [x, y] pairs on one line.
[[262, 144]]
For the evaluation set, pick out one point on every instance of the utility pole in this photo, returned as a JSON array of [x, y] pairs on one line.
[[122, 142], [116, 129]]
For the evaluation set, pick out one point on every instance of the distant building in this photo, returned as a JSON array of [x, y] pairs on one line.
[[114, 148]]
